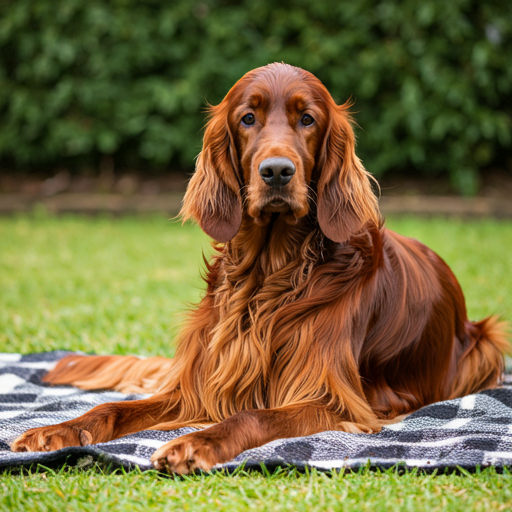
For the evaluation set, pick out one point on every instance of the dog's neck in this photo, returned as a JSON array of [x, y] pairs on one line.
[[273, 247]]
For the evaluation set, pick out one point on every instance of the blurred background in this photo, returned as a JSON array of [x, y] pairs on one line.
[[108, 97], [102, 107]]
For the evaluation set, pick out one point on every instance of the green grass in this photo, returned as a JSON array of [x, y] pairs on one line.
[[94, 490], [120, 286], [102, 285]]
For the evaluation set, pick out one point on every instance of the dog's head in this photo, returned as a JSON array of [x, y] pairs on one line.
[[276, 144]]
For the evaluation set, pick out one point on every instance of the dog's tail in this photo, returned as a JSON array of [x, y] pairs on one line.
[[482, 364], [128, 374]]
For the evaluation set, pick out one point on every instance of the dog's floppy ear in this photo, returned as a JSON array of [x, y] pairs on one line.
[[213, 194], [346, 201]]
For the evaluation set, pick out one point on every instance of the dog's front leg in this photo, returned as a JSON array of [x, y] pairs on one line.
[[103, 423], [245, 430]]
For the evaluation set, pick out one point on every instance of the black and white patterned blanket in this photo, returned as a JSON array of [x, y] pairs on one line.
[[474, 431]]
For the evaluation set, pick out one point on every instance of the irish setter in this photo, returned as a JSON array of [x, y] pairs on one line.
[[316, 317]]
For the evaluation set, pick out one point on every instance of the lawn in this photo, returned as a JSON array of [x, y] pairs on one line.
[[121, 285]]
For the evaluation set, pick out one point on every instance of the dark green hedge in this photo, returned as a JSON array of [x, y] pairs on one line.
[[431, 79]]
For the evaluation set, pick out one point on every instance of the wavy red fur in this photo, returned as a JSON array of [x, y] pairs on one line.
[[316, 316]]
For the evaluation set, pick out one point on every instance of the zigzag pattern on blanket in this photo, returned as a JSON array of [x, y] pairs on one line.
[[469, 432]]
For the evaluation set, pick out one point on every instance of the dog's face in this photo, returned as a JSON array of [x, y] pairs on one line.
[[279, 144], [278, 125]]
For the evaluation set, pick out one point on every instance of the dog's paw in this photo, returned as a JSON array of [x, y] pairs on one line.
[[47, 439], [187, 454]]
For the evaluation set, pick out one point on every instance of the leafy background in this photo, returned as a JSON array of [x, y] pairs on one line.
[[81, 80]]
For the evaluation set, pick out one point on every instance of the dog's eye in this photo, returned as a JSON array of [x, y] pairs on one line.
[[307, 120], [248, 119]]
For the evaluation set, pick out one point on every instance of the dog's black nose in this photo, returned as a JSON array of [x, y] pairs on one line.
[[276, 172]]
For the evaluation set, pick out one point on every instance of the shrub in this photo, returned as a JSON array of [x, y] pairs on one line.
[[431, 80]]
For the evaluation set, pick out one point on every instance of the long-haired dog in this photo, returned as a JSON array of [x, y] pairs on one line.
[[316, 317]]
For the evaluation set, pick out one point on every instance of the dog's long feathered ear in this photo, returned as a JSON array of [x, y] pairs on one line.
[[213, 194], [346, 201]]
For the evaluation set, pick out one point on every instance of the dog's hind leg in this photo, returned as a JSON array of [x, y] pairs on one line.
[[128, 374]]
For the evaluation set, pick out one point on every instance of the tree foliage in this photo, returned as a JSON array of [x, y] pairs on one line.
[[431, 80]]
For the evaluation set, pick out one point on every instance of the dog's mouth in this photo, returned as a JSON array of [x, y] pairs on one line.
[[277, 205]]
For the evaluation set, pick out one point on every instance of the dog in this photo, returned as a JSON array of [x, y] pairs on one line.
[[316, 317]]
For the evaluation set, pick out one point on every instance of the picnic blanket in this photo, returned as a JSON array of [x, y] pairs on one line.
[[470, 432]]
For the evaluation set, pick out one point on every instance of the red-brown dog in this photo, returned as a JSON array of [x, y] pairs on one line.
[[316, 317]]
